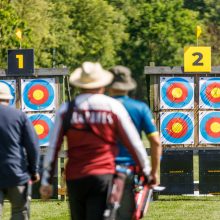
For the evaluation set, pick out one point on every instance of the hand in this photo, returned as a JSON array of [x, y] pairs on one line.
[[153, 180], [46, 192], [35, 178]]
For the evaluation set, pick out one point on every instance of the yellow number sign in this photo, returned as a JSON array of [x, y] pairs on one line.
[[197, 59]]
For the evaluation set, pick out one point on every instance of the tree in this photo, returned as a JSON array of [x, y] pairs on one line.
[[9, 22], [68, 32], [35, 13], [97, 32], [211, 36], [196, 5], [209, 16], [158, 31]]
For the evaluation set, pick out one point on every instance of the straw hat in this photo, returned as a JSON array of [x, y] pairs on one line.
[[122, 79], [5, 93], [90, 76]]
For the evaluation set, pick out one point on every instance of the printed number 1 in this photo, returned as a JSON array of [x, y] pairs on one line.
[[20, 58]]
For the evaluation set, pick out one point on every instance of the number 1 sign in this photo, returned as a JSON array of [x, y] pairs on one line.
[[21, 61], [197, 59]]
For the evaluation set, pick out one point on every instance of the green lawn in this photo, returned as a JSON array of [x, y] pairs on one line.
[[166, 208], [56, 210]]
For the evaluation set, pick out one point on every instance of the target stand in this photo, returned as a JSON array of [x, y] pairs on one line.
[[177, 172], [38, 94], [187, 109], [209, 172], [186, 106]]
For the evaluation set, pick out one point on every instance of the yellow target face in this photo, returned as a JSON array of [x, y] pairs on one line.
[[215, 93], [39, 129], [38, 94], [215, 127], [177, 127], [177, 93]]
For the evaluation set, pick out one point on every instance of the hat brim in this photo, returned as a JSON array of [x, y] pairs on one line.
[[124, 86], [104, 80], [6, 97]]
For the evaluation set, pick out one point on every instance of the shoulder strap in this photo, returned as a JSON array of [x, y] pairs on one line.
[[67, 121], [67, 116]]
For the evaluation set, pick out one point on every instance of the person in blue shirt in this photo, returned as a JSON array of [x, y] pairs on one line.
[[144, 122], [19, 156]]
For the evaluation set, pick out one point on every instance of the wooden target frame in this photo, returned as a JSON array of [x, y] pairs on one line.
[[155, 73]]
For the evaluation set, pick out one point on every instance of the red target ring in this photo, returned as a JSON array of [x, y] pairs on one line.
[[177, 127], [177, 92], [41, 127], [38, 94], [213, 127]]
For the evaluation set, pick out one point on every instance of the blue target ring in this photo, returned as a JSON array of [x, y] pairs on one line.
[[203, 95], [172, 103], [45, 135], [12, 91], [183, 117], [203, 127], [35, 83]]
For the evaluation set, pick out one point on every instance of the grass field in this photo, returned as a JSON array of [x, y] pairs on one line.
[[166, 208]]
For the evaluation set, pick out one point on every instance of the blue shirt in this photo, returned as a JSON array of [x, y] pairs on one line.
[[19, 151], [143, 120]]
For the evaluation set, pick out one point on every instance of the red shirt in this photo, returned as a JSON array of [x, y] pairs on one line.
[[97, 122]]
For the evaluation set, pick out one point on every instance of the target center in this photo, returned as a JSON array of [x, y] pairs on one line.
[[177, 93], [177, 127], [38, 94], [215, 127], [39, 129], [215, 92]]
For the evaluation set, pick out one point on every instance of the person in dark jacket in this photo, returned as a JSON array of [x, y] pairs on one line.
[[19, 156]]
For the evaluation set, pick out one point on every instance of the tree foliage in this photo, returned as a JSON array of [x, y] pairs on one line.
[[127, 32], [211, 20], [69, 32], [35, 13], [9, 22], [97, 29], [158, 32]]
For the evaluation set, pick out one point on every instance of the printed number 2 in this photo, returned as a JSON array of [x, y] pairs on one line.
[[197, 61], [20, 58]]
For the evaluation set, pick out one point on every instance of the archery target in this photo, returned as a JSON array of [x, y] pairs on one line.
[[176, 92], [177, 127], [209, 92], [38, 94], [209, 127], [12, 87], [43, 125]]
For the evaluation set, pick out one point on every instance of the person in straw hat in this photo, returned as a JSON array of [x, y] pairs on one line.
[[92, 123], [19, 155], [143, 121]]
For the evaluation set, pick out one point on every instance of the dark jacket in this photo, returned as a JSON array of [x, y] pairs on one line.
[[19, 152]]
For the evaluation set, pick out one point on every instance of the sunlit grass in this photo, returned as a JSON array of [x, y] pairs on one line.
[[166, 208]]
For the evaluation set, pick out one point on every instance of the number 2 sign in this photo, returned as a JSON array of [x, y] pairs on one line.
[[197, 59], [21, 61]]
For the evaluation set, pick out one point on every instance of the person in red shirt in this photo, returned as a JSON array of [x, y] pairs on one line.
[[96, 123]]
